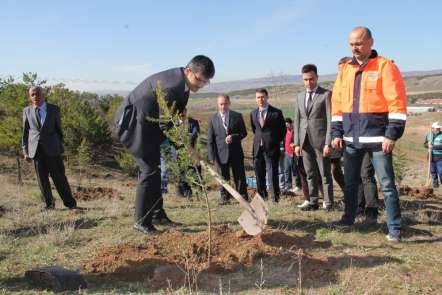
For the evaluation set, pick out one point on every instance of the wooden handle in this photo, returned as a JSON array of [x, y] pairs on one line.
[[229, 188]]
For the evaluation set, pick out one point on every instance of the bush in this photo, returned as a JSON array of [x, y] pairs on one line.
[[126, 162]]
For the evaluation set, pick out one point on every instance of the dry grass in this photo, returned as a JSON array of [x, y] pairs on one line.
[[355, 262]]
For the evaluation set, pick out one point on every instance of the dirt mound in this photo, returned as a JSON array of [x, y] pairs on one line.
[[2, 211], [173, 257], [417, 192], [96, 193]]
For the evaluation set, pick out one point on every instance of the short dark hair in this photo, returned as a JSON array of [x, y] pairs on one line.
[[203, 65], [262, 90], [226, 96], [344, 60], [288, 120], [309, 68]]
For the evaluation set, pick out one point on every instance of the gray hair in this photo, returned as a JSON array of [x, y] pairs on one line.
[[38, 89]]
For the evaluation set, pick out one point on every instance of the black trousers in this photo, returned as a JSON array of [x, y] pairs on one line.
[[52, 165], [239, 177], [265, 164], [148, 200]]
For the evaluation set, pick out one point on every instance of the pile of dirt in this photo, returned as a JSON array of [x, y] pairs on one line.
[[173, 256], [2, 211], [96, 193], [417, 192]]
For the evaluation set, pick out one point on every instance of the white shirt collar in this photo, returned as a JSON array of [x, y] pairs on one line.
[[43, 107], [313, 91], [264, 109]]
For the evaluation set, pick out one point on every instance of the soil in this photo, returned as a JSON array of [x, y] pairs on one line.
[[418, 192], [176, 258], [2, 211], [96, 193]]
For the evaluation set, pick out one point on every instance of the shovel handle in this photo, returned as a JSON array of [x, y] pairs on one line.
[[229, 188]]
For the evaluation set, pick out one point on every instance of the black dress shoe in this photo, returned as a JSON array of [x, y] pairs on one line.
[[145, 229], [164, 220], [310, 207], [48, 207], [328, 208]]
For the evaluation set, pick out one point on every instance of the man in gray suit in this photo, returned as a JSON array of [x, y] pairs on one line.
[[312, 136], [225, 132], [42, 141], [142, 137]]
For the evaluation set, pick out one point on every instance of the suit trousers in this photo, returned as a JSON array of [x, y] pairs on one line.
[[239, 177], [52, 165], [266, 164], [149, 200], [314, 160]]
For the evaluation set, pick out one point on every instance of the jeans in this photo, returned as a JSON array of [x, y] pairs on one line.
[[289, 168], [168, 153], [434, 175], [383, 166], [438, 172]]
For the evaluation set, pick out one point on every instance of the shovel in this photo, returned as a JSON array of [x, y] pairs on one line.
[[254, 218]]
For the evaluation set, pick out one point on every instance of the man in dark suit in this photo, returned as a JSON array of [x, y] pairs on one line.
[[143, 137], [268, 125], [312, 136], [42, 141], [225, 131]]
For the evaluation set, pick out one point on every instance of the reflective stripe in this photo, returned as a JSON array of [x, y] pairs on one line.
[[369, 139], [397, 116], [366, 139], [336, 119]]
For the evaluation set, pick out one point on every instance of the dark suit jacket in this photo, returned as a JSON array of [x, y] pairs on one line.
[[271, 134], [314, 122], [218, 150], [49, 136], [136, 133]]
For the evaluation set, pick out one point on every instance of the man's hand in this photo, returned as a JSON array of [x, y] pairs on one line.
[[337, 143], [326, 151], [297, 151], [26, 157], [387, 145], [229, 139]]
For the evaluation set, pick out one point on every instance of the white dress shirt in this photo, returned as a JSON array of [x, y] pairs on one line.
[[43, 111], [307, 95]]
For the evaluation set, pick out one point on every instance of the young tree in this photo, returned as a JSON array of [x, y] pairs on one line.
[[187, 156]]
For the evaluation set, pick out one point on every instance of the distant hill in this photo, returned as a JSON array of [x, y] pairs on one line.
[[416, 82]]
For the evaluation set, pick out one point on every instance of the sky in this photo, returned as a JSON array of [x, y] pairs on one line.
[[92, 45]]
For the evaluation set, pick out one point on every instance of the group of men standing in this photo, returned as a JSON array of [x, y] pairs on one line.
[[364, 116]]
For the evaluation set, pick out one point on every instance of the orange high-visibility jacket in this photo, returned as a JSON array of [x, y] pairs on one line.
[[381, 109]]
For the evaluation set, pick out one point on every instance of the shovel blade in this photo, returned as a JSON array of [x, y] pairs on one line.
[[254, 223]]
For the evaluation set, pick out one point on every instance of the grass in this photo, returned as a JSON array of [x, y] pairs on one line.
[[356, 262]]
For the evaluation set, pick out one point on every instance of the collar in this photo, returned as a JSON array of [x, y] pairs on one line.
[[314, 89], [264, 109], [226, 114], [373, 54], [43, 107]]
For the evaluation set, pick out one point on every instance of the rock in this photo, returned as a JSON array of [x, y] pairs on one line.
[[55, 278]]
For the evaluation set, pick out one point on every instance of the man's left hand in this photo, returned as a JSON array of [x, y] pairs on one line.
[[229, 139], [326, 151], [388, 145]]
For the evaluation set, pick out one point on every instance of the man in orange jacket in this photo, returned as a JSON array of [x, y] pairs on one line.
[[369, 114]]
